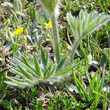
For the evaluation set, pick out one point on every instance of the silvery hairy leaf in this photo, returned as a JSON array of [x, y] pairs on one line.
[[85, 24]]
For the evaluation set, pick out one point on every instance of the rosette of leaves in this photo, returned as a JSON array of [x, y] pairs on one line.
[[31, 71], [84, 25]]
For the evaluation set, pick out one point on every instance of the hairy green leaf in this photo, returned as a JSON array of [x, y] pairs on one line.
[[61, 63], [84, 25], [25, 73], [37, 67]]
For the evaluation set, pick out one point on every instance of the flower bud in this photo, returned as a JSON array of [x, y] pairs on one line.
[[50, 6]]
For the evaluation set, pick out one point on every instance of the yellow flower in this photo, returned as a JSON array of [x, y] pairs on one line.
[[18, 31], [48, 25]]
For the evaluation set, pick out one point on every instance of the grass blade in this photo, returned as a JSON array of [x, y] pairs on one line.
[[105, 101], [93, 82]]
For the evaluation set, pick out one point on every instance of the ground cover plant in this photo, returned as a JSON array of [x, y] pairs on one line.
[[55, 55]]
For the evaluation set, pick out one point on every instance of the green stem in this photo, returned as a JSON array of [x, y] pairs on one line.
[[69, 38], [71, 96], [55, 38], [3, 51], [109, 68], [3, 54], [75, 45], [87, 73]]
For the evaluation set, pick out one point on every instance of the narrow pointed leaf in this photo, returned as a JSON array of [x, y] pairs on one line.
[[48, 70], [25, 73], [29, 69], [64, 71], [93, 81], [37, 67], [44, 58], [61, 63]]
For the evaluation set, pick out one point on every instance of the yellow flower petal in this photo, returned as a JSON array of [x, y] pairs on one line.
[[48, 25], [18, 31]]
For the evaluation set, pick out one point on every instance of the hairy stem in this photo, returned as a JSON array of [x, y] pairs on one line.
[[25, 41], [75, 46], [55, 38]]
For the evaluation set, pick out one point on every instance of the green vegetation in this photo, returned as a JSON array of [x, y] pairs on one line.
[[54, 55]]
